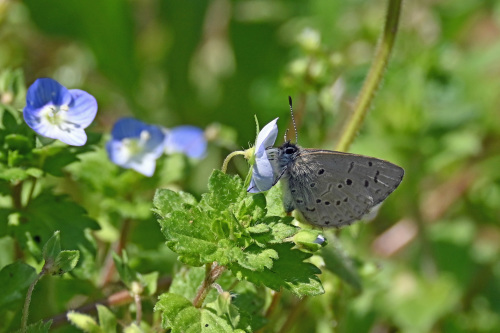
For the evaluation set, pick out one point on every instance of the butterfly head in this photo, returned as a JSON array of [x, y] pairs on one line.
[[287, 152]]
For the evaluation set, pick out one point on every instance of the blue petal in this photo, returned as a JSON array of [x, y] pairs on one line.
[[127, 128], [266, 138], [189, 140], [146, 166], [46, 91], [116, 152], [73, 137], [262, 175], [262, 171], [82, 109], [142, 160]]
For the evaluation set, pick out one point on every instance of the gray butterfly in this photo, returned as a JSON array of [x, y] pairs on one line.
[[330, 188]]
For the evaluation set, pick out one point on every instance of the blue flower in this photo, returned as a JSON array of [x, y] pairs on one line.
[[262, 172], [136, 145], [189, 140], [58, 113]]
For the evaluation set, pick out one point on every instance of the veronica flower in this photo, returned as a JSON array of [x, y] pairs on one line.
[[262, 171], [136, 145], [189, 140], [58, 113]]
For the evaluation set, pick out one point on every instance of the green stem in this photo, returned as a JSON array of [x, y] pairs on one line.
[[229, 157], [374, 77], [27, 301], [16, 191], [32, 190]]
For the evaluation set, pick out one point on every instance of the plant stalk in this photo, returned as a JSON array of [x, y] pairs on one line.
[[374, 77]]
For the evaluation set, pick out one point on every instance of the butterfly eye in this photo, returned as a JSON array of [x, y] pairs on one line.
[[289, 151]]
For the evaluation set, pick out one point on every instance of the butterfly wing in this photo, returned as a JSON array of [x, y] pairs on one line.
[[331, 188]]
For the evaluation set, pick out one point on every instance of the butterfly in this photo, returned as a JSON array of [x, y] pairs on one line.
[[331, 188]]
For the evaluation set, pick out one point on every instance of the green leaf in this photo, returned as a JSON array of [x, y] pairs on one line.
[[127, 274], [223, 191], [66, 261], [166, 201], [18, 142], [337, 262], [48, 212], [289, 272], [132, 328], [54, 158], [187, 281], [178, 313], [253, 207], [256, 259], [107, 319], [181, 316], [9, 121], [149, 282], [279, 230], [38, 327], [52, 248], [15, 280], [13, 174], [274, 198], [84, 322]]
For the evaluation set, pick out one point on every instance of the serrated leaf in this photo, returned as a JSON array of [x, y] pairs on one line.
[[15, 279], [252, 207], [256, 259], [178, 313], [259, 228], [223, 190], [337, 262], [38, 327], [187, 281], [167, 201], [84, 322], [189, 234], [274, 198], [289, 272], [182, 317], [107, 319], [52, 248], [279, 230]]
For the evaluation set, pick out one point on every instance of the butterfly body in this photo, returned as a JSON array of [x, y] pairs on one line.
[[330, 188]]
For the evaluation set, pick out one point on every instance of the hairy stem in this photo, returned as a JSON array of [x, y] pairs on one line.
[[138, 308], [27, 301], [229, 157], [212, 273], [374, 77]]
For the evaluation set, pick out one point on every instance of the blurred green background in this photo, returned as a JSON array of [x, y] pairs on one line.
[[430, 260]]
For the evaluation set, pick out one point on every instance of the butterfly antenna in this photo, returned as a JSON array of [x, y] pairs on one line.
[[286, 132], [293, 119]]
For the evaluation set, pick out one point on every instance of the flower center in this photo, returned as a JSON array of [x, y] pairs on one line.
[[55, 114], [136, 146]]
